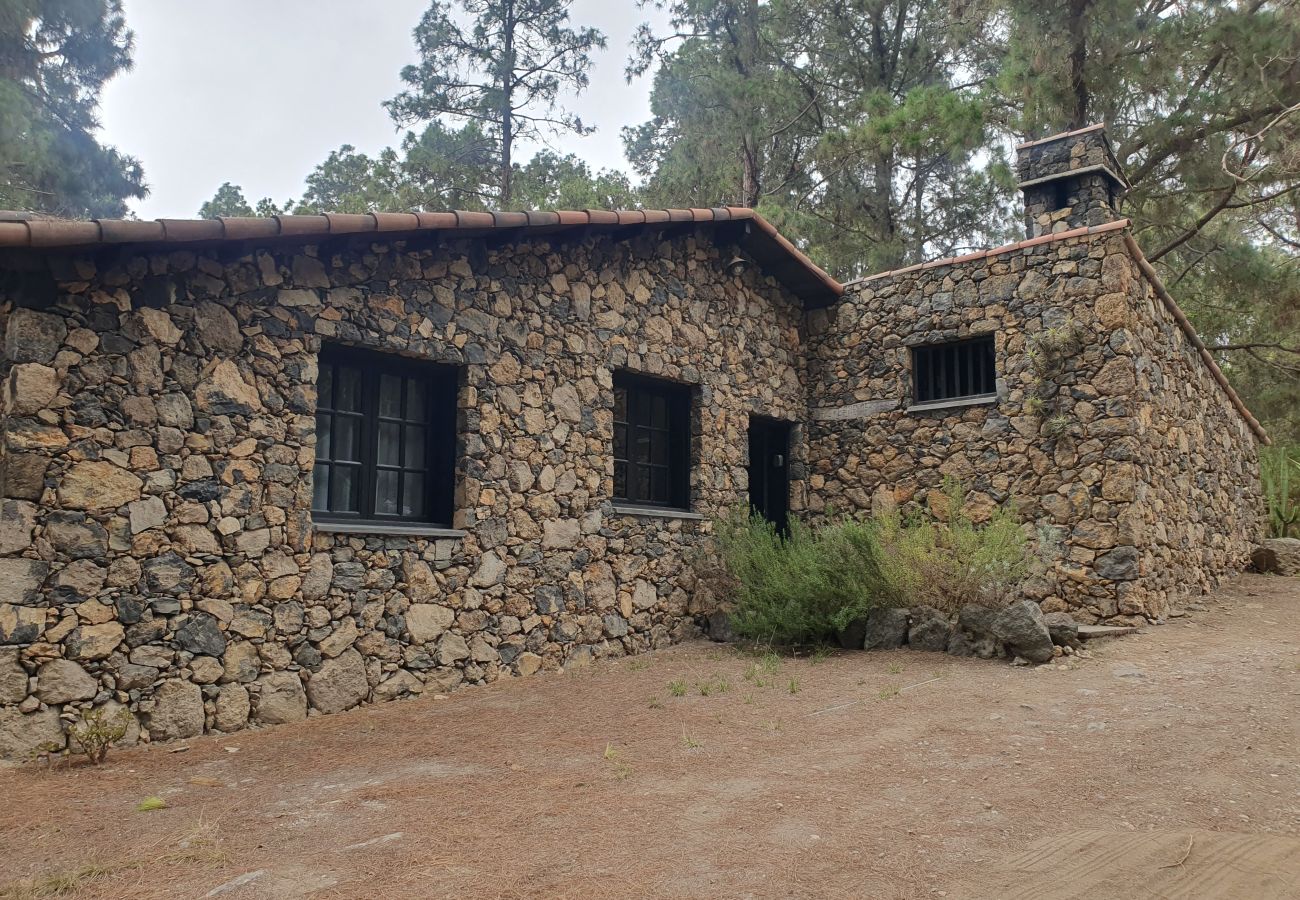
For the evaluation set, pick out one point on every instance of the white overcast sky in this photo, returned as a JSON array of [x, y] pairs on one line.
[[257, 92]]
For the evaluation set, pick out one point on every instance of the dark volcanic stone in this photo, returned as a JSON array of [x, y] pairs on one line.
[[930, 630], [720, 629], [1063, 629], [1021, 627], [853, 635], [886, 628], [200, 634]]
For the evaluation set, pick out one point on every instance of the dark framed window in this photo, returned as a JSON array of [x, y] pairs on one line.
[[385, 438], [652, 442], [954, 371]]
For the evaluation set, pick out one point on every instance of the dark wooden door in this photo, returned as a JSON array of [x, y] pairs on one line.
[[769, 469]]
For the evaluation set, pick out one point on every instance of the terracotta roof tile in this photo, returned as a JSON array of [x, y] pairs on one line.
[[14, 234], [396, 221], [192, 229], [120, 231], [351, 223], [240, 228], [437, 220], [304, 225], [466, 219], [61, 233], [509, 219]]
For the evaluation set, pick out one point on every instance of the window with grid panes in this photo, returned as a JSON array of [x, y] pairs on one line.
[[651, 442], [385, 439], [954, 371]]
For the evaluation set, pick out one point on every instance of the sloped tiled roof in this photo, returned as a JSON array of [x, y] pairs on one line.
[[769, 249]]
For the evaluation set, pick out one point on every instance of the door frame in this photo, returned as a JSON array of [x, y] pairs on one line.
[[769, 426]]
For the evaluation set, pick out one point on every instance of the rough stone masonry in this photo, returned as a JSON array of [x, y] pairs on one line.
[[158, 549]]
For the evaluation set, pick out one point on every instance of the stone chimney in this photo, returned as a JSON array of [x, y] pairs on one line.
[[1069, 181]]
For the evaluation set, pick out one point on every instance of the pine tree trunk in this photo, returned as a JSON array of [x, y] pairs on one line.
[[507, 101], [751, 183], [1078, 29]]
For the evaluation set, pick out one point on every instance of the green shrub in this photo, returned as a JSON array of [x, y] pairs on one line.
[[802, 587], [1279, 470], [951, 561]]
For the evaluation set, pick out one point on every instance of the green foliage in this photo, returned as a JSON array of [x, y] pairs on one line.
[[844, 121], [55, 57], [1279, 468], [440, 168], [229, 200], [944, 559], [803, 587], [149, 804], [551, 181], [504, 71], [872, 134], [96, 732], [813, 582]]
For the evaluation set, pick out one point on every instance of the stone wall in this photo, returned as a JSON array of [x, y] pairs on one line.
[[1202, 509], [1139, 477], [158, 550]]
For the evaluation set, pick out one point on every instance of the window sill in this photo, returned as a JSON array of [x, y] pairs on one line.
[[393, 529], [961, 403], [656, 512]]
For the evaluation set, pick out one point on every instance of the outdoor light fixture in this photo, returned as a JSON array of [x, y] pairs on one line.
[[737, 265]]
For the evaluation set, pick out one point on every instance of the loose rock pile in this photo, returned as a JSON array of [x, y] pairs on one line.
[[1020, 631]]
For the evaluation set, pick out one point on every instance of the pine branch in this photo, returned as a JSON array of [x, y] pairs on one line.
[[1258, 345], [1204, 220]]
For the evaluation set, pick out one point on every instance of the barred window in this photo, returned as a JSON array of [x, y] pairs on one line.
[[954, 371]]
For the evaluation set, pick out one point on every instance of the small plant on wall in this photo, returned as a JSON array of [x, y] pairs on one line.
[[1048, 352]]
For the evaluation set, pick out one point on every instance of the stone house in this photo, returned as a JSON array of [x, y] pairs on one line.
[[257, 467]]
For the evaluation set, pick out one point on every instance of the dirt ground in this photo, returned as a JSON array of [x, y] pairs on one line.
[[1166, 765]]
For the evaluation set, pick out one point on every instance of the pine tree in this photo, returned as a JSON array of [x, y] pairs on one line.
[[55, 57], [504, 72], [842, 120]]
